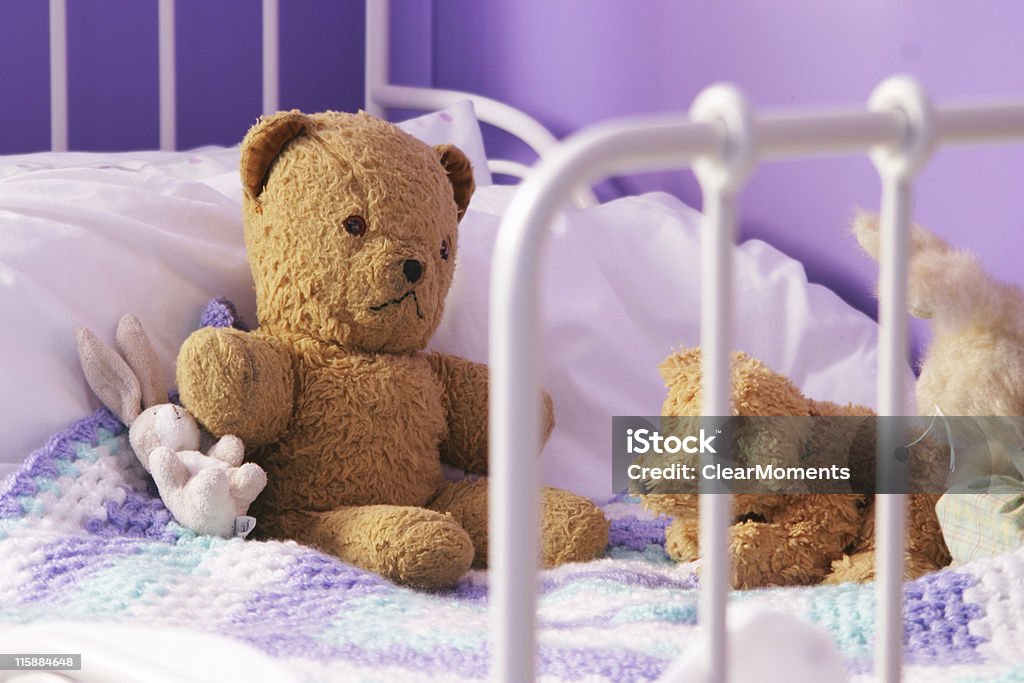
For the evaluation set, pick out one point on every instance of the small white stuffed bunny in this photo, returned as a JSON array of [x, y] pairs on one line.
[[205, 493]]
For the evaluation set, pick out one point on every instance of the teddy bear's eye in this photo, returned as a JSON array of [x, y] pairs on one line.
[[355, 226], [444, 249]]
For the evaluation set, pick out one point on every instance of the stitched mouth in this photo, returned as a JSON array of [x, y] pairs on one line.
[[399, 300]]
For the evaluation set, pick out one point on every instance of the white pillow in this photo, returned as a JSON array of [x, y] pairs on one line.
[[620, 291], [86, 237], [457, 125]]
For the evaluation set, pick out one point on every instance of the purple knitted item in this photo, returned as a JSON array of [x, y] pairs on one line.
[[220, 312]]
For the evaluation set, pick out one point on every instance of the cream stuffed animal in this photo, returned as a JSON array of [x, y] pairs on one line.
[[204, 492], [974, 363]]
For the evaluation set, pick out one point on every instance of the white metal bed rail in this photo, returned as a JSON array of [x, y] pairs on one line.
[[722, 141], [380, 95]]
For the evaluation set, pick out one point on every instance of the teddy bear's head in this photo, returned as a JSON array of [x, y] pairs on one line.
[[351, 228]]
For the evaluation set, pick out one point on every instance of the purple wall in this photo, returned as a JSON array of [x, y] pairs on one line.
[[112, 69], [569, 64]]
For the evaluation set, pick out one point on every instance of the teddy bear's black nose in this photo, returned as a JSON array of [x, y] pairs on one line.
[[413, 270]]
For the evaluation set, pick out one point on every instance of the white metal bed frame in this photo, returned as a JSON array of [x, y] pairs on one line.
[[722, 140]]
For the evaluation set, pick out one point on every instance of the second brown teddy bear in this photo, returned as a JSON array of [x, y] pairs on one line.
[[789, 539]]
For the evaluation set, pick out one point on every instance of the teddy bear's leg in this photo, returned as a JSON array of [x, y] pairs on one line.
[[760, 554], [573, 529], [925, 548], [800, 543], [408, 545], [771, 555], [682, 539]]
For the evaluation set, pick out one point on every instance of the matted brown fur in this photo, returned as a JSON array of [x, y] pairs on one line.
[[789, 539], [351, 229]]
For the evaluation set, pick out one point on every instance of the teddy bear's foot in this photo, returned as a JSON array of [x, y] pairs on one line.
[[408, 545], [573, 529], [856, 568], [770, 555], [860, 568]]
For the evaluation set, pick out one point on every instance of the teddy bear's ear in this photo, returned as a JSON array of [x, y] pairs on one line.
[[264, 142], [460, 174]]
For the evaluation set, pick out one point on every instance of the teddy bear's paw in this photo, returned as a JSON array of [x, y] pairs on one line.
[[682, 540], [430, 550], [574, 529], [236, 383], [769, 555], [856, 568]]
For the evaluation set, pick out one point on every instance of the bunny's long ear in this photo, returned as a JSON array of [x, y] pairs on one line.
[[138, 352], [109, 376]]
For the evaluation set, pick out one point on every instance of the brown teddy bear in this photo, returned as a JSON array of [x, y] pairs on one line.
[[351, 226], [797, 538]]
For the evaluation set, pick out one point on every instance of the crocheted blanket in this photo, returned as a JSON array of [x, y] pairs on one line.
[[83, 537]]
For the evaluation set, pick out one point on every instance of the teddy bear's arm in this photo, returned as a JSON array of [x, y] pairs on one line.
[[465, 399], [237, 383]]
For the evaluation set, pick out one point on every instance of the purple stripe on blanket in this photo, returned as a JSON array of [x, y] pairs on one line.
[[71, 559], [62, 446], [317, 587], [637, 534], [578, 663], [937, 619], [139, 516], [620, 576], [560, 662]]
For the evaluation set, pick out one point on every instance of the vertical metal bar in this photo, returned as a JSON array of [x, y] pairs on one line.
[[721, 178], [168, 94], [58, 76], [892, 361], [896, 166], [515, 434], [716, 399], [271, 57], [375, 74]]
